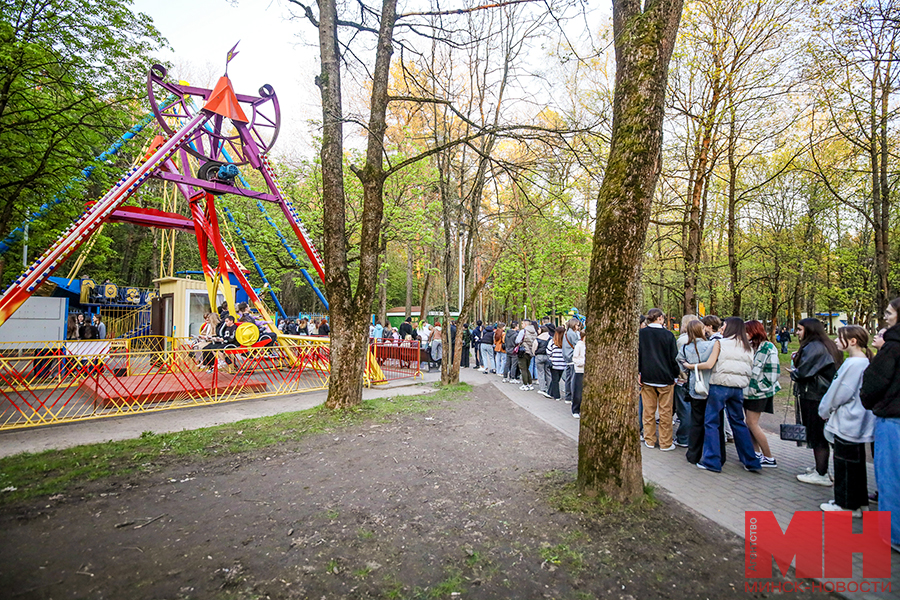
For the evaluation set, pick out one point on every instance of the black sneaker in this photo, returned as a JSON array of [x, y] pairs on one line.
[[767, 462]]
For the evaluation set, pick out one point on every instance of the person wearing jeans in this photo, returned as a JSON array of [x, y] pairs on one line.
[[880, 393], [487, 349], [542, 361], [571, 338], [731, 362]]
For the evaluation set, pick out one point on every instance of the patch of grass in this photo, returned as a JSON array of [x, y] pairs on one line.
[[365, 534], [332, 514], [452, 582], [26, 476], [564, 555], [362, 573], [333, 567], [566, 496]]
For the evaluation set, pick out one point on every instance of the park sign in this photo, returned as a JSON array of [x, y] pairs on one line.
[[823, 544]]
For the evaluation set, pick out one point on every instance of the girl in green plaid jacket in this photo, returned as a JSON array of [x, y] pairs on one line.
[[759, 395]]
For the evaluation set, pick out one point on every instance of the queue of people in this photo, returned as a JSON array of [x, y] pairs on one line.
[[728, 373], [80, 327]]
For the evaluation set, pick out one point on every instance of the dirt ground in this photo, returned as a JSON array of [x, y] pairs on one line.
[[472, 499]]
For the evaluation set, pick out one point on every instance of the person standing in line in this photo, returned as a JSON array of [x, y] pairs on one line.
[[759, 397], [424, 332], [880, 393], [732, 364], [578, 357], [510, 351], [697, 350], [573, 326], [557, 361], [487, 349], [406, 329], [542, 360], [377, 331], [324, 328], [658, 369], [500, 362], [466, 347], [303, 326], [525, 342], [848, 425], [476, 342], [713, 326], [815, 365], [682, 406]]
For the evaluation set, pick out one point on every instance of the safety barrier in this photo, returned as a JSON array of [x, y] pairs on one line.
[[55, 382], [390, 360]]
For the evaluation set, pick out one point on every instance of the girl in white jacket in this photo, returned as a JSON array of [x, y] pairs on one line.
[[578, 378], [849, 426]]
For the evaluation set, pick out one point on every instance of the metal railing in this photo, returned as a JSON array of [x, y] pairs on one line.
[[43, 383], [390, 360]]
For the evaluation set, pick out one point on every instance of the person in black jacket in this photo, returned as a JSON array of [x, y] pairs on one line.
[[880, 393], [224, 338], [476, 342], [658, 369], [406, 329], [815, 364]]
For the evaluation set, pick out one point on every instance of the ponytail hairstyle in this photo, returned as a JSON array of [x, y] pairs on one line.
[[855, 332], [814, 331], [734, 327]]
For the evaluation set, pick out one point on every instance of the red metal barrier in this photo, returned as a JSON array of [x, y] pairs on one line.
[[396, 359]]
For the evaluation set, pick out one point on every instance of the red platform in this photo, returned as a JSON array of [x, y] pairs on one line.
[[164, 387]]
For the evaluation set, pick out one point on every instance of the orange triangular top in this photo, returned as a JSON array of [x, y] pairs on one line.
[[223, 101]]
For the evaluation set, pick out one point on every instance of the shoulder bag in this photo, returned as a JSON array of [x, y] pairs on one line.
[[699, 385], [793, 432]]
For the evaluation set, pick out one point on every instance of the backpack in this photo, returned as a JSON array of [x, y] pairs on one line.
[[541, 347]]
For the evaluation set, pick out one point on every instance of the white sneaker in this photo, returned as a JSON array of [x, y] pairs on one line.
[[530, 388], [649, 446], [813, 470], [830, 506], [815, 479], [546, 395], [524, 388], [515, 381], [505, 380], [669, 449], [576, 415]]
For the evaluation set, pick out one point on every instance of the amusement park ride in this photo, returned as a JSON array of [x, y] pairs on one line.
[[228, 131]]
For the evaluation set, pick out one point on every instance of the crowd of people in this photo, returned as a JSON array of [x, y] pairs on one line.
[[81, 327], [717, 378]]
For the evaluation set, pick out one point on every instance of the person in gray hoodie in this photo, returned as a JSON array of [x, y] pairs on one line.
[[525, 343], [848, 424], [572, 337]]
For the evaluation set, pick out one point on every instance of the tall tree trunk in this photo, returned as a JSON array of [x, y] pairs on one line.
[[609, 455], [695, 231], [349, 309], [732, 219]]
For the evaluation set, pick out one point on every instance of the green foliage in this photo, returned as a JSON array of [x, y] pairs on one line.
[[71, 72]]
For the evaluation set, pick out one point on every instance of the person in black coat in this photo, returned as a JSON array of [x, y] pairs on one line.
[[406, 329], [476, 343], [880, 393], [658, 368], [815, 364]]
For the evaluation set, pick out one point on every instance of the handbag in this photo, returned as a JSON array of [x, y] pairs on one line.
[[700, 386], [793, 432]]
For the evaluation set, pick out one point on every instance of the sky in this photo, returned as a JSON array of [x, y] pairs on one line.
[[272, 50]]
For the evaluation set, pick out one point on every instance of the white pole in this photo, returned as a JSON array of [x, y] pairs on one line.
[[25, 247], [462, 282]]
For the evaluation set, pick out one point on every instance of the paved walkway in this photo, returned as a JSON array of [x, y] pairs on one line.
[[721, 497]]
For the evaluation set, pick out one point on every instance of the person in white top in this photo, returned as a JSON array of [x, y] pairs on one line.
[[731, 362], [578, 380], [849, 426]]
